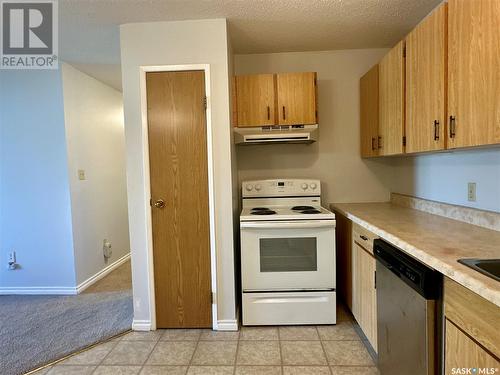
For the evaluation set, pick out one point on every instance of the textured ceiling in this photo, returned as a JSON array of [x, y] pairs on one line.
[[89, 31]]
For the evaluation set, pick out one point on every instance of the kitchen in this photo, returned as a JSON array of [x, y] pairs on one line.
[[315, 206]]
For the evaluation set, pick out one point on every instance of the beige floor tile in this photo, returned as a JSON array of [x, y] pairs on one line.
[[306, 370], [117, 370], [209, 335], [164, 370], [143, 336], [258, 370], [259, 333], [259, 353], [71, 370], [181, 335], [215, 353], [303, 353], [210, 370], [341, 331], [129, 353], [347, 353], [356, 370], [298, 333], [172, 353], [93, 356]]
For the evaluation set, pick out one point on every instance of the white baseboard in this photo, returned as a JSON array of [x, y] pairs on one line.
[[99, 275], [49, 290], [227, 325], [141, 325], [63, 290]]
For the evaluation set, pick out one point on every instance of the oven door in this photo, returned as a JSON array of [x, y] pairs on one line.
[[288, 255]]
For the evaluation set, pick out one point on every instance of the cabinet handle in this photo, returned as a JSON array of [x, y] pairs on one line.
[[364, 238], [379, 142], [268, 113], [452, 127], [373, 144], [436, 130], [284, 115]]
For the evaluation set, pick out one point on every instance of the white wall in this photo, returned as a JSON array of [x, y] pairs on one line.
[[35, 200], [443, 177], [173, 43], [96, 144], [334, 159]]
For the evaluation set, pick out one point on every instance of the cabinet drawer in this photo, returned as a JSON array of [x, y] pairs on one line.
[[363, 237]]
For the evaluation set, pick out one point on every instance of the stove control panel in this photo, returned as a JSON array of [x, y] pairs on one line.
[[281, 188]]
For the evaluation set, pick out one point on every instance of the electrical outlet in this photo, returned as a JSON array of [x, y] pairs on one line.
[[11, 264], [471, 191], [106, 249], [81, 174]]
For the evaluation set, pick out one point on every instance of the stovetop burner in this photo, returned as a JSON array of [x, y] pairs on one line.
[[302, 208], [260, 209], [263, 212], [313, 211]]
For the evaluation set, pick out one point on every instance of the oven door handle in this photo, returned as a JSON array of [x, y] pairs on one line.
[[288, 224]]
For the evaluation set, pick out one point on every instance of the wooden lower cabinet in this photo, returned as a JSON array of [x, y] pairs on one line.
[[472, 338], [364, 301], [461, 351]]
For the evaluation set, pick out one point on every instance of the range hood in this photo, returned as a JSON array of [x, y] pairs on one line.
[[276, 134]]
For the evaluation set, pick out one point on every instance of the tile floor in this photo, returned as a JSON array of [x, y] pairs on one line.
[[333, 350]]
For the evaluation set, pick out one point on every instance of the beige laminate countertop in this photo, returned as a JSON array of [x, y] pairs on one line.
[[434, 240]]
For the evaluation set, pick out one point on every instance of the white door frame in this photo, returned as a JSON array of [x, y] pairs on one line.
[[147, 182]]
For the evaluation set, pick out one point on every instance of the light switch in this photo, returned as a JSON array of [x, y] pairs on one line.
[[81, 174], [471, 191]]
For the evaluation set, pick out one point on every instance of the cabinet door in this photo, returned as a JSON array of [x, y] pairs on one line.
[[463, 352], [425, 84], [391, 97], [255, 100], [473, 72], [368, 100], [364, 293], [297, 102]]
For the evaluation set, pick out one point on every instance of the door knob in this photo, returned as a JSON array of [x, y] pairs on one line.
[[160, 203]]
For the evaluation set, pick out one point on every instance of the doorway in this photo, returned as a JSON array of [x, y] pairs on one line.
[[179, 183]]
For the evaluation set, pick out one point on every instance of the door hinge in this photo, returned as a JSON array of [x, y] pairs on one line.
[[212, 297], [151, 202], [205, 102], [404, 140]]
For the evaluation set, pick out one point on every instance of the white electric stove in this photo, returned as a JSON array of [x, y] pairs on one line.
[[287, 254]]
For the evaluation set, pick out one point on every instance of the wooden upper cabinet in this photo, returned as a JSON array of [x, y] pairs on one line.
[[391, 101], [255, 100], [369, 104], [426, 84], [473, 72], [297, 99]]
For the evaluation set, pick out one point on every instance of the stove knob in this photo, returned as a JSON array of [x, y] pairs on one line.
[[258, 187], [313, 186], [249, 187], [304, 186]]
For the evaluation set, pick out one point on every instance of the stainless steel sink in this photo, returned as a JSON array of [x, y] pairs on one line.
[[488, 267]]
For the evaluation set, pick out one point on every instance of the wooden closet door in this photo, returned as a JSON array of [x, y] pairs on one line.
[[426, 84], [255, 100], [473, 72], [391, 97], [296, 98], [369, 112], [179, 197]]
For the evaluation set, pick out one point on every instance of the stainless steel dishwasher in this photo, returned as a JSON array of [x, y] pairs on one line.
[[409, 316]]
